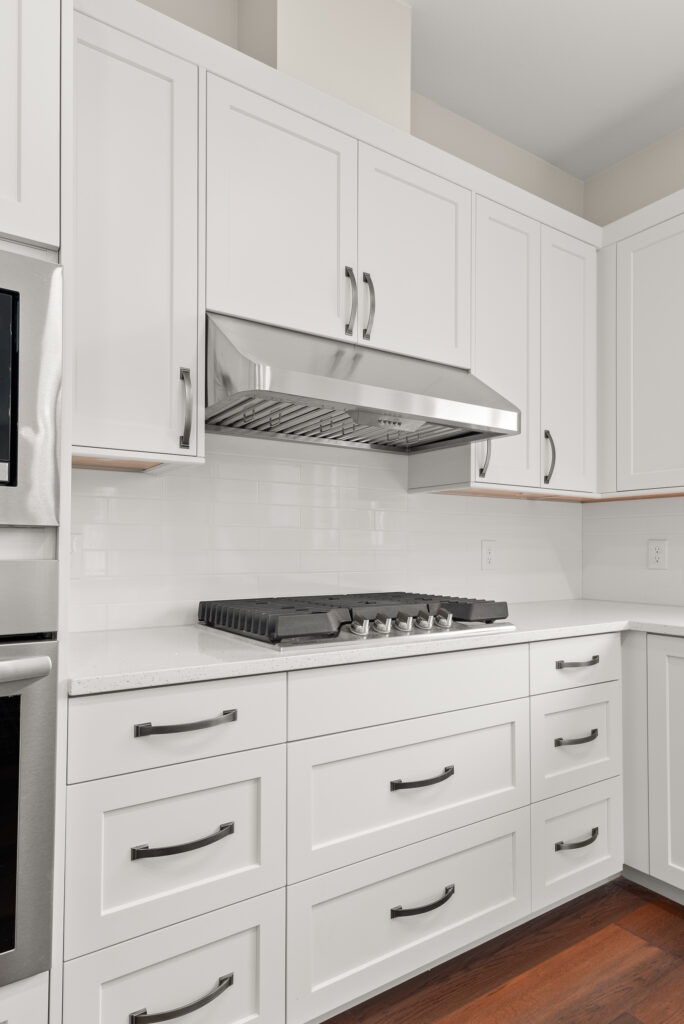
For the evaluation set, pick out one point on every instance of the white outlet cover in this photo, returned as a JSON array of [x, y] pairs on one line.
[[488, 555], [657, 554]]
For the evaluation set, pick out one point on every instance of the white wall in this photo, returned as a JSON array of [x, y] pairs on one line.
[[615, 539], [217, 18], [447, 130], [264, 518]]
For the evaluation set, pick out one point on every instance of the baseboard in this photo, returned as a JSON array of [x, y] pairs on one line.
[[654, 884]]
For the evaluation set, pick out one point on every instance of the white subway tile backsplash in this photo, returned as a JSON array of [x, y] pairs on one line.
[[263, 518]]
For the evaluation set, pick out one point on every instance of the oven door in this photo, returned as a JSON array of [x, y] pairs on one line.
[[28, 692], [30, 377]]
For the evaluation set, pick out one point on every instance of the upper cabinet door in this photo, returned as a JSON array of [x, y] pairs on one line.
[[506, 351], [414, 259], [29, 115], [136, 245], [281, 214], [569, 362], [650, 358]]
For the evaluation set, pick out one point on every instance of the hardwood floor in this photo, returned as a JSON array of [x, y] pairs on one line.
[[614, 956]]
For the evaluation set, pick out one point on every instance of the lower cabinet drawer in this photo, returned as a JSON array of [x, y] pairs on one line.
[[576, 738], [25, 1002], [230, 963], [576, 841], [575, 661], [353, 930], [358, 794], [149, 849]]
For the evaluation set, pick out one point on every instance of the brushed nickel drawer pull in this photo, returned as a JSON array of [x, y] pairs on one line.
[[580, 843], [147, 729], [579, 664], [349, 326], [145, 852], [368, 329], [184, 439], [413, 911], [560, 742], [442, 777], [143, 1017]]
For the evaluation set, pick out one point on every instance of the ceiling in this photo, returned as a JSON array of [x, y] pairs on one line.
[[581, 83]]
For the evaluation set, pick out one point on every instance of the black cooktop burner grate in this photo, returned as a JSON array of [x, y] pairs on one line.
[[276, 619]]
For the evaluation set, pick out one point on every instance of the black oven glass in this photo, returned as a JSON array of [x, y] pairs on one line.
[[10, 720], [9, 384]]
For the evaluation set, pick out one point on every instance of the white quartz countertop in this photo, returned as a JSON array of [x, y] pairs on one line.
[[128, 659]]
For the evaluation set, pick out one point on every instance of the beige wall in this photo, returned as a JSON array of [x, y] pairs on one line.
[[217, 18], [650, 174], [471, 142]]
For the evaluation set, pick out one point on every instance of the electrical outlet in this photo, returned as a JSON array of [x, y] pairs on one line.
[[657, 554], [488, 560]]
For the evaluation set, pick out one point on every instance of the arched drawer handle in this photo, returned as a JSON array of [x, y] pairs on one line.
[[413, 911], [144, 852], [442, 777], [579, 664], [368, 329], [143, 1017], [147, 729], [580, 844], [350, 275], [560, 742]]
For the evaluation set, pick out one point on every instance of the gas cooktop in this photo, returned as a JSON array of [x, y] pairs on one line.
[[297, 621]]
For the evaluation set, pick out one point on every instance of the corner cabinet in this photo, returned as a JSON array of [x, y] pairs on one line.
[[137, 331], [29, 114], [309, 230]]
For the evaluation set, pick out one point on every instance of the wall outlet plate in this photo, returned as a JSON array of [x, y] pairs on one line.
[[488, 555], [657, 554]]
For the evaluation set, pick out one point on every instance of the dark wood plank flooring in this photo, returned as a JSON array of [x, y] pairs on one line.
[[614, 956]]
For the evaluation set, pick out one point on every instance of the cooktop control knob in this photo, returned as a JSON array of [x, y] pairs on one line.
[[360, 626], [383, 623], [403, 622], [444, 619], [425, 621]]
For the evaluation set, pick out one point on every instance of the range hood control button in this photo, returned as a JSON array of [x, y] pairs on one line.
[[444, 619], [360, 626], [425, 621], [403, 622], [383, 624]]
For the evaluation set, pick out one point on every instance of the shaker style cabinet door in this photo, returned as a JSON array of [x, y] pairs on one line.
[[281, 215], [569, 362], [29, 115], [650, 358], [136, 346], [414, 260], [666, 757], [506, 349]]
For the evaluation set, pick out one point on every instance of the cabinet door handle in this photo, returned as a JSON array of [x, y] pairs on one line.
[[580, 843], [579, 664], [184, 439], [368, 329], [485, 465], [147, 729], [143, 1017], [412, 911], [442, 777], [349, 326], [145, 852], [549, 437], [560, 742]]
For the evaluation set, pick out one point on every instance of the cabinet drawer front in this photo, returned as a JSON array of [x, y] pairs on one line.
[[181, 965], [576, 841], [576, 661], [102, 733], [25, 1002], [326, 700], [348, 797], [343, 939], [125, 874], [576, 738]]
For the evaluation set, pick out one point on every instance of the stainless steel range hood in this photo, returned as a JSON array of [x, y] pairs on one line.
[[300, 387]]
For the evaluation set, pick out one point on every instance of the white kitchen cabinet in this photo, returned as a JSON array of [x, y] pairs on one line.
[[568, 362], [414, 260], [666, 758], [136, 385], [30, 119], [506, 347], [25, 1002], [650, 358], [281, 214]]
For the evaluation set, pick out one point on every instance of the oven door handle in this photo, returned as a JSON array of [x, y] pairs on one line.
[[22, 670]]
